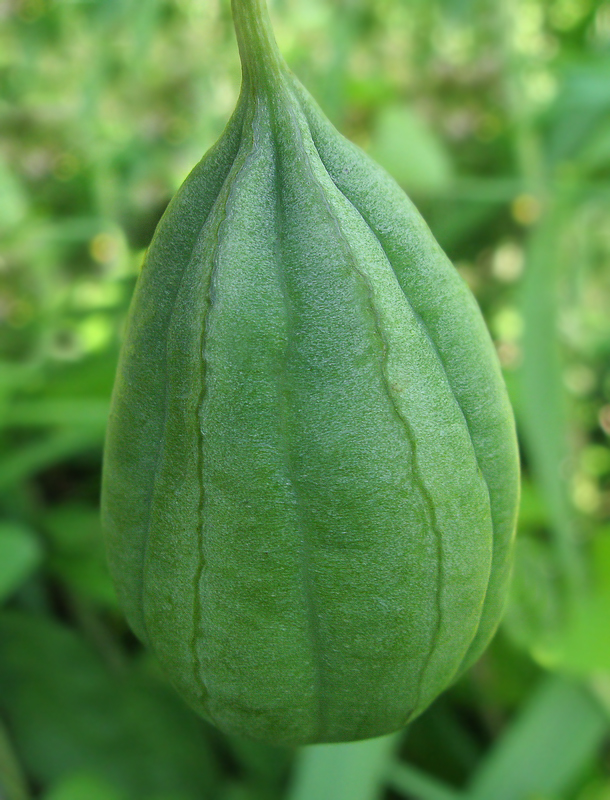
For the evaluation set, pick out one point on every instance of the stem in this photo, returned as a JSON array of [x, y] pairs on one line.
[[262, 62]]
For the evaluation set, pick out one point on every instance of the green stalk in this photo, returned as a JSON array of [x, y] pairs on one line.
[[262, 62]]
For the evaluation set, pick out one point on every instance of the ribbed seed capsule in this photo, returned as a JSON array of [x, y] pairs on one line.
[[311, 474]]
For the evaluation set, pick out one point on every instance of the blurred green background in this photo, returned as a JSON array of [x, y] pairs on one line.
[[495, 117]]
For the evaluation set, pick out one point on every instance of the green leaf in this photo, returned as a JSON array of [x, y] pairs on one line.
[[45, 412], [533, 515], [12, 781], [78, 555], [352, 771], [68, 712], [541, 409], [20, 555], [81, 785], [13, 198], [409, 149], [411, 782], [546, 748], [581, 648], [534, 616], [20, 464]]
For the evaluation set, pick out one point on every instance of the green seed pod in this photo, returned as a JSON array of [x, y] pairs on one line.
[[311, 474]]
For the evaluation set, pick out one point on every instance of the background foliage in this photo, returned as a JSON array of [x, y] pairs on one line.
[[495, 116]]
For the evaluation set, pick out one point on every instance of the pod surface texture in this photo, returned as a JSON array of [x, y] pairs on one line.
[[311, 473]]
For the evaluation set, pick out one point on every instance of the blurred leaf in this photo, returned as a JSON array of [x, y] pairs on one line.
[[408, 148], [597, 789], [542, 402], [20, 555], [68, 713], [411, 782], [13, 198], [87, 381], [14, 376], [24, 462], [457, 219], [533, 514], [534, 616], [261, 764], [583, 100], [351, 771], [596, 154], [442, 742], [78, 555], [12, 781], [85, 786], [33, 414], [546, 748], [584, 647]]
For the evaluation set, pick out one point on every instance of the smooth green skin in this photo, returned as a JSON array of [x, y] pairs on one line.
[[311, 472]]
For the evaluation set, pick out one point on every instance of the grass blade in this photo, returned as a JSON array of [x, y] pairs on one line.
[[546, 748], [351, 771], [414, 783]]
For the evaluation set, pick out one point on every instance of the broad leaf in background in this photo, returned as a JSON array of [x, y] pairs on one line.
[[410, 150], [20, 555], [347, 771], [77, 553], [13, 784], [547, 747], [535, 614], [81, 785], [584, 647], [67, 712]]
